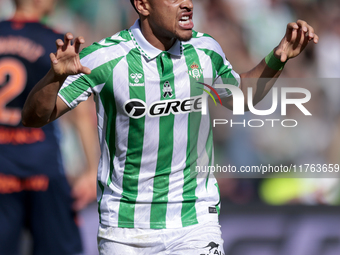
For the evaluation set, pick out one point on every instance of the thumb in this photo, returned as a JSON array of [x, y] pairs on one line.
[[85, 70], [283, 57]]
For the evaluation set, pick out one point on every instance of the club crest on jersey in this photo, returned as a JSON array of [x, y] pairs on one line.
[[195, 71], [167, 90], [135, 80]]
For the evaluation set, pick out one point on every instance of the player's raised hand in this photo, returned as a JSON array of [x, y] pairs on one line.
[[66, 60], [297, 37]]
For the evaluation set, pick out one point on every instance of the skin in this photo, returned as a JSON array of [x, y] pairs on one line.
[[298, 35], [161, 27], [161, 22], [32, 9]]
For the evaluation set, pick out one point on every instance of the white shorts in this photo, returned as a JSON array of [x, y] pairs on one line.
[[199, 239]]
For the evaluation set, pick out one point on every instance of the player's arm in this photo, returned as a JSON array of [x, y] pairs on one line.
[[263, 76], [84, 188], [43, 104]]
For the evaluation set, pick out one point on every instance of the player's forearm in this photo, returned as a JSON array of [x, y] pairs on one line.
[[82, 117], [261, 79], [40, 107]]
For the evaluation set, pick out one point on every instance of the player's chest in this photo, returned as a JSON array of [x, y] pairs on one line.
[[161, 79]]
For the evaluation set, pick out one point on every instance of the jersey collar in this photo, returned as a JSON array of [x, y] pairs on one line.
[[149, 51]]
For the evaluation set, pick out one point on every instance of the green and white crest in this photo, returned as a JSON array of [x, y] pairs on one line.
[[195, 71]]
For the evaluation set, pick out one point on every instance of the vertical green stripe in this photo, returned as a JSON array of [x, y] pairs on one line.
[[108, 100], [165, 147], [135, 144], [189, 215]]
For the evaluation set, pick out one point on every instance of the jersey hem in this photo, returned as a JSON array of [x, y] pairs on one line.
[[169, 225]]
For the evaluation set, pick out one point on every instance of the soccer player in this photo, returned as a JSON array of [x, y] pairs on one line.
[[34, 192], [147, 83]]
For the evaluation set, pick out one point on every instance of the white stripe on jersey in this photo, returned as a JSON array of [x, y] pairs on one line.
[[150, 149], [176, 179]]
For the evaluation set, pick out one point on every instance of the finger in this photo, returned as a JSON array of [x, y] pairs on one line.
[[303, 25], [310, 32], [291, 31], [77, 43], [299, 38], [53, 58], [67, 40], [283, 57], [304, 41], [59, 44], [85, 70], [292, 26], [304, 38]]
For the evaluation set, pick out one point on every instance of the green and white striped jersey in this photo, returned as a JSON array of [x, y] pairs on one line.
[[151, 131]]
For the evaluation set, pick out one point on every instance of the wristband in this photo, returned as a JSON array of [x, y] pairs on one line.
[[273, 62]]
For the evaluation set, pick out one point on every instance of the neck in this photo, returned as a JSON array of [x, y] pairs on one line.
[[161, 43], [24, 14]]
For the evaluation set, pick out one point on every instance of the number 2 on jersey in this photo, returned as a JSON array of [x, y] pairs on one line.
[[10, 89]]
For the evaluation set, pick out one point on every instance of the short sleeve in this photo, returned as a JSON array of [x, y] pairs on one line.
[[224, 73], [76, 89]]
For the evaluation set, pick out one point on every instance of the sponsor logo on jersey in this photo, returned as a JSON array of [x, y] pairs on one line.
[[195, 71], [167, 90], [136, 108], [136, 77], [213, 249]]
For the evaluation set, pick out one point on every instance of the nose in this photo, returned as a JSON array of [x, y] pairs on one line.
[[187, 4]]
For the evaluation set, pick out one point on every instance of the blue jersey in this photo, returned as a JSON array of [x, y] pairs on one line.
[[24, 60]]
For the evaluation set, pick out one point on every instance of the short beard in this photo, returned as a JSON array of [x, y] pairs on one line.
[[185, 38]]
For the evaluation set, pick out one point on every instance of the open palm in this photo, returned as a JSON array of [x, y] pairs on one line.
[[297, 37], [66, 60]]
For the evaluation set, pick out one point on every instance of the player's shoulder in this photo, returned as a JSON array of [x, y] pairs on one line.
[[203, 41], [108, 44], [49, 31], [196, 35]]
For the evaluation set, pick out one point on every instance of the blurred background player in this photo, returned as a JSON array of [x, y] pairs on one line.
[[34, 191]]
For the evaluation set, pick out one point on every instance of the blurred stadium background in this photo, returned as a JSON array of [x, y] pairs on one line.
[[259, 216]]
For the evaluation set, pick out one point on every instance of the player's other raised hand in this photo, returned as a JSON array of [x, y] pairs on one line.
[[297, 37], [66, 60]]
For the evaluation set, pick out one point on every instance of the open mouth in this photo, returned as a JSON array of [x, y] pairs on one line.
[[186, 21]]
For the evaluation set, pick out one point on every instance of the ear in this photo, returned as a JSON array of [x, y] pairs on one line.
[[143, 7]]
